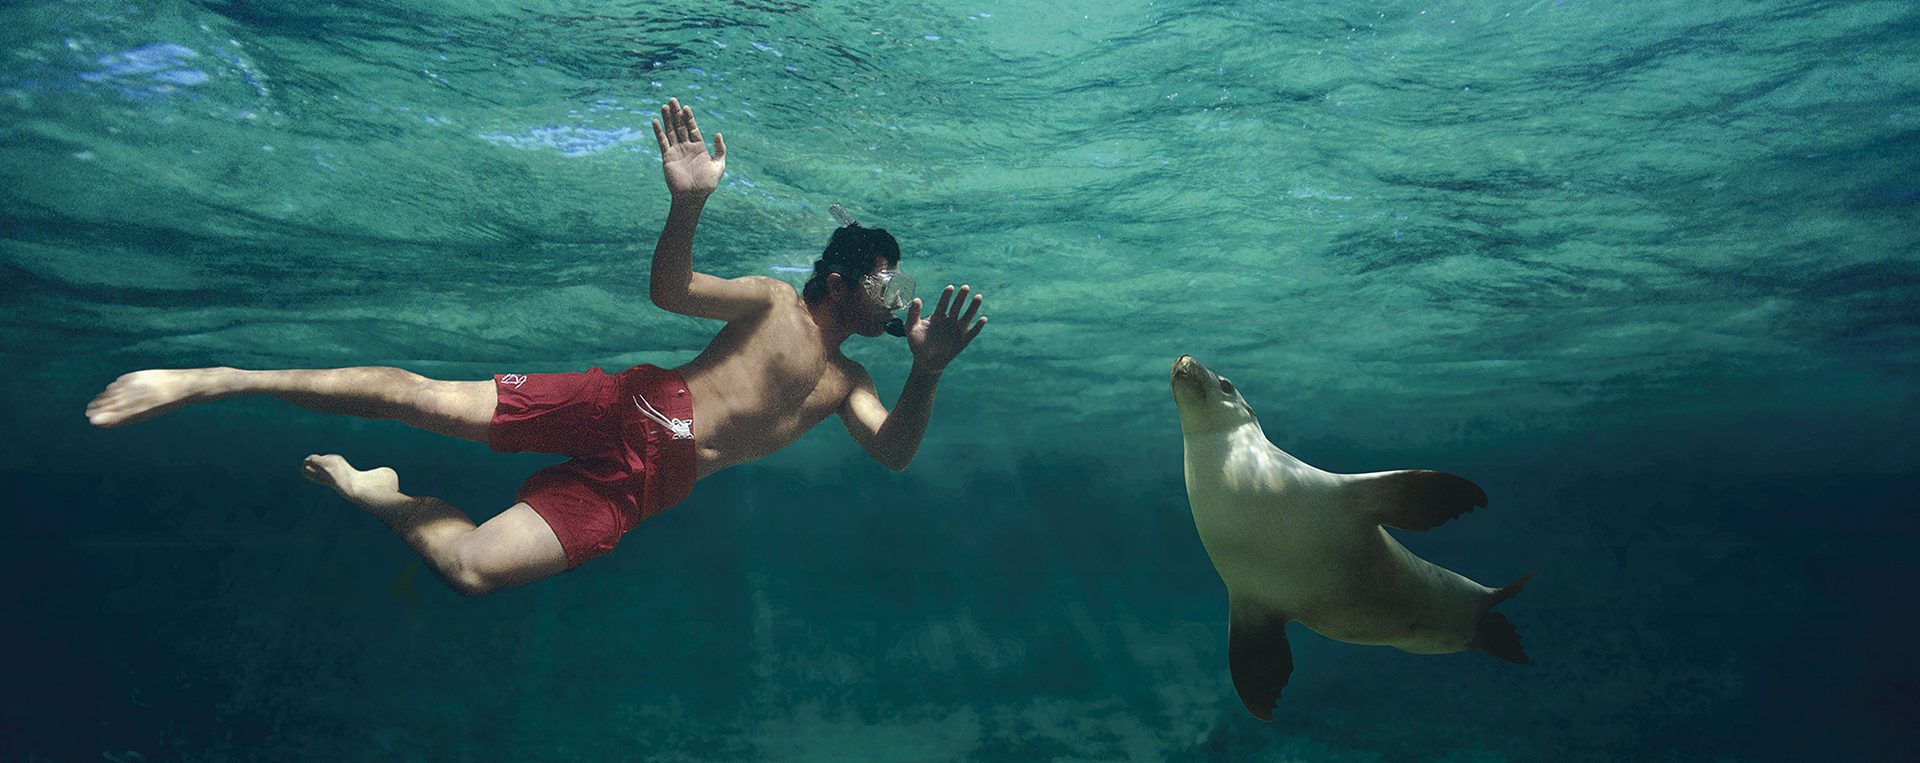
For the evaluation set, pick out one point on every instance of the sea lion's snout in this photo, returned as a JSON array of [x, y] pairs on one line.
[[1187, 366], [1189, 378]]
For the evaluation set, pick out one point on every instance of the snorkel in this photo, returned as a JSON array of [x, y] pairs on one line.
[[893, 288], [840, 216]]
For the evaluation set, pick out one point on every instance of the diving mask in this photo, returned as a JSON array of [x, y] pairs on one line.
[[889, 288], [893, 290]]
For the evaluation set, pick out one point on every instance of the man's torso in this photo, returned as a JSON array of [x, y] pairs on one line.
[[762, 382]]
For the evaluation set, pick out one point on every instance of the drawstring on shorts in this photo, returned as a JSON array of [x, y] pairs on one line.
[[682, 429]]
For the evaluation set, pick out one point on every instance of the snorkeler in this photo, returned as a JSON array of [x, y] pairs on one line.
[[636, 439]]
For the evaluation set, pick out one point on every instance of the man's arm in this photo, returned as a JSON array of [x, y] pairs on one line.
[[691, 177], [892, 437]]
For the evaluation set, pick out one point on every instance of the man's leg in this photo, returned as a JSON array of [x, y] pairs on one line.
[[515, 548], [455, 409]]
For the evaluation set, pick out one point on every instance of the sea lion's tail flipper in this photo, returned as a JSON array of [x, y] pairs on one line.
[[1496, 635], [1258, 654], [1415, 499]]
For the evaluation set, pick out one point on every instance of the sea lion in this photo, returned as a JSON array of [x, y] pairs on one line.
[[1293, 542]]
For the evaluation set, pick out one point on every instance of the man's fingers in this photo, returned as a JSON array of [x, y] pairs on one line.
[[960, 299], [973, 309], [660, 135], [719, 148], [684, 117], [672, 116], [913, 310], [975, 331], [945, 296], [693, 128]]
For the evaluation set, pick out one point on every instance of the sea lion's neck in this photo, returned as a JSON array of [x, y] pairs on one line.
[[1239, 438], [1248, 435], [1238, 458], [1226, 437]]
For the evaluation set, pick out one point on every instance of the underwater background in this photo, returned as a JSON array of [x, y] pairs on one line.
[[1646, 272]]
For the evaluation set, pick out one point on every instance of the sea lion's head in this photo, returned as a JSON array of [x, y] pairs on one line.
[[1207, 401]]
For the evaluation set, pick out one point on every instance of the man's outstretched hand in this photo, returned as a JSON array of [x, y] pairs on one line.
[[683, 153], [936, 340]]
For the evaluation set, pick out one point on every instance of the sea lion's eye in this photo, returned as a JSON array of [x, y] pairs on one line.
[[1226, 386]]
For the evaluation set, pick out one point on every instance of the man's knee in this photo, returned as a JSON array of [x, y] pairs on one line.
[[510, 550], [460, 409], [468, 579], [469, 583], [404, 388], [384, 392], [473, 570]]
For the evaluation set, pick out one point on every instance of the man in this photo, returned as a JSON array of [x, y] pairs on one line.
[[640, 438]]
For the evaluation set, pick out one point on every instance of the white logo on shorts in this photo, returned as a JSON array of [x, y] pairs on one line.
[[513, 380]]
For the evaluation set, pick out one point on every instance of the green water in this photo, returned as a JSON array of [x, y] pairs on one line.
[[1645, 271]]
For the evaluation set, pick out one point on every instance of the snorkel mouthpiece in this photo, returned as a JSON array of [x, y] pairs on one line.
[[895, 290]]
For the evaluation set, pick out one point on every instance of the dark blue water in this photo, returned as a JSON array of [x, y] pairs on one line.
[[1647, 273]]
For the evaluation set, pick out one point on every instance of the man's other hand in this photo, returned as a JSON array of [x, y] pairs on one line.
[[683, 153], [936, 340]]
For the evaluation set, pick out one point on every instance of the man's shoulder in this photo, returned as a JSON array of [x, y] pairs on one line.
[[778, 292], [851, 367], [774, 286]]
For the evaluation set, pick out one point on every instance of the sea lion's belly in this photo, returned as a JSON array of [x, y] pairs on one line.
[[1390, 597], [1280, 550], [1356, 586], [1299, 548]]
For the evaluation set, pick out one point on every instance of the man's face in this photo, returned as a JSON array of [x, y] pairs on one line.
[[861, 308]]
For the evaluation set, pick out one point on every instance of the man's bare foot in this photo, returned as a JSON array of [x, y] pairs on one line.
[[143, 395], [377, 490]]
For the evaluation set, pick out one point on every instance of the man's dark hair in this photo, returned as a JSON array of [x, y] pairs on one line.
[[850, 253]]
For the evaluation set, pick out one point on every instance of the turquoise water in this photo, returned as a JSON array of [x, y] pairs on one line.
[[1646, 272]]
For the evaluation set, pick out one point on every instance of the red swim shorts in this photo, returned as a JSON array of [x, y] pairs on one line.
[[628, 461]]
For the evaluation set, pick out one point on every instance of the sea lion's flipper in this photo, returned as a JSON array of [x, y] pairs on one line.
[[1494, 634], [1415, 499], [1258, 654]]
